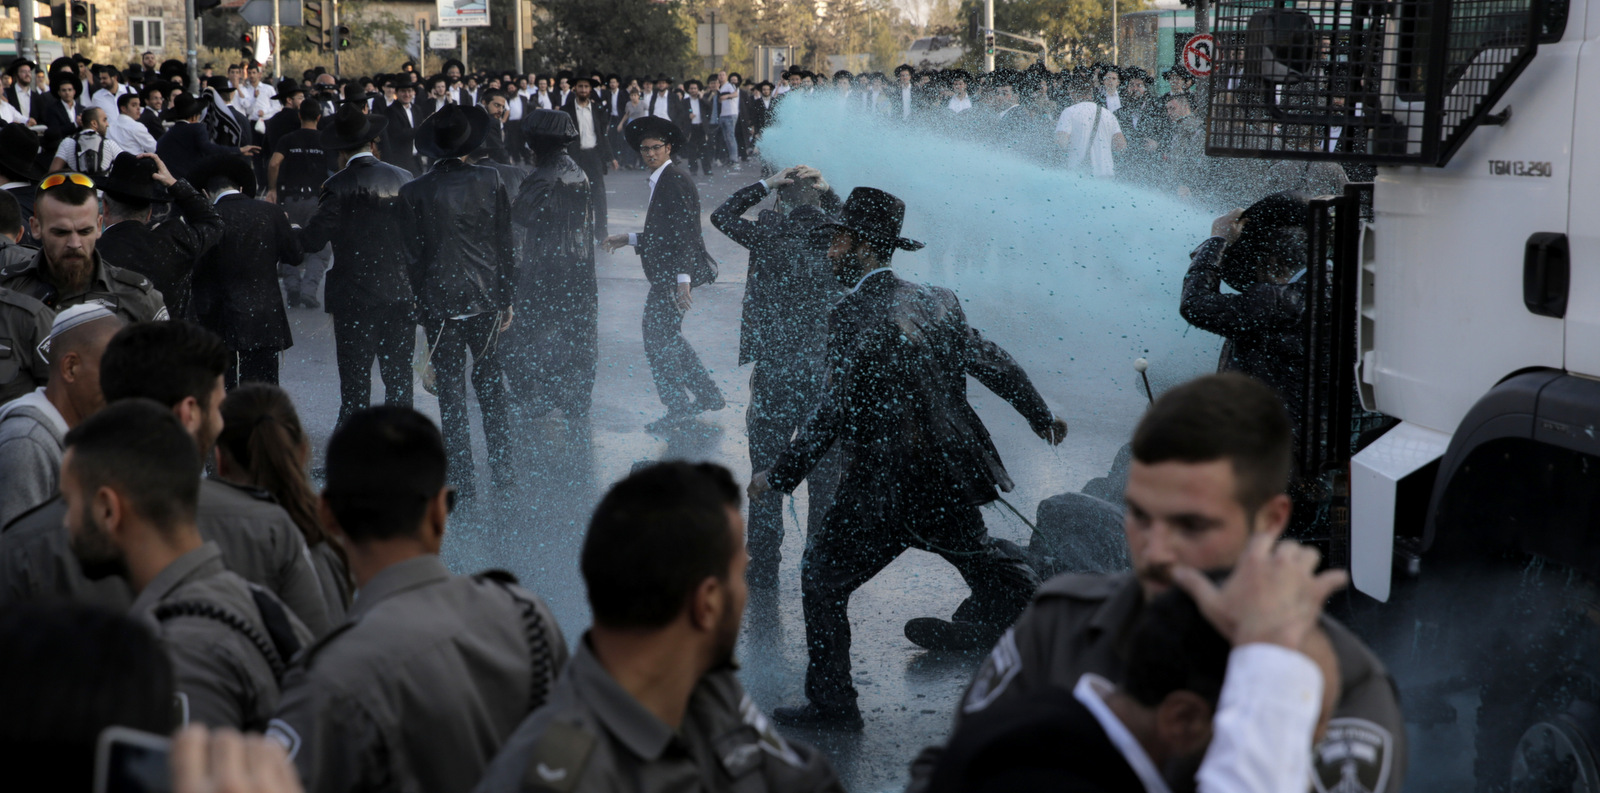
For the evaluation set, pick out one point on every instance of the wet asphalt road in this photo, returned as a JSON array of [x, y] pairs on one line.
[[536, 530]]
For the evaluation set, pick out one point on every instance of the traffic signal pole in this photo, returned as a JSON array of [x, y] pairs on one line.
[[193, 55], [25, 43], [988, 31], [277, 34], [334, 28]]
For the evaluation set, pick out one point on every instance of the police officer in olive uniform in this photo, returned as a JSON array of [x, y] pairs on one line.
[[651, 701], [228, 640], [257, 538], [1080, 623], [24, 327], [68, 270], [430, 672]]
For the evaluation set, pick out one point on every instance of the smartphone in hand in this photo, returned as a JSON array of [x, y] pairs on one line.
[[132, 761]]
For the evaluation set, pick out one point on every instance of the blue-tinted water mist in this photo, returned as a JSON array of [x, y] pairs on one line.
[[1076, 276]]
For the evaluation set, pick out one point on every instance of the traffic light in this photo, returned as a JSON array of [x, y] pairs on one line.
[[58, 20], [315, 23], [78, 20], [974, 27], [247, 46], [344, 37], [988, 42]]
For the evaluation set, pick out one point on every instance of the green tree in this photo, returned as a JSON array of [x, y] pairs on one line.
[[1078, 31], [624, 36]]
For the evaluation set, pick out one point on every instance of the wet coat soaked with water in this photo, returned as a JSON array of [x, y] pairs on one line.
[[460, 223], [361, 213], [552, 345]]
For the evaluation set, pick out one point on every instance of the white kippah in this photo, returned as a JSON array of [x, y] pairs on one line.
[[77, 315]]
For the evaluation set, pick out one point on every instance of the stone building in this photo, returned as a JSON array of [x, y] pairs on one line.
[[126, 28]]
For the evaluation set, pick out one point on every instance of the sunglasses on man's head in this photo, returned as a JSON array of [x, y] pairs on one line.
[[58, 179]]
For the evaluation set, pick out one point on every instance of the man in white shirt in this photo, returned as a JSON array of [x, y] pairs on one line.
[[959, 102], [254, 98], [111, 87], [126, 131], [728, 120], [699, 129], [1088, 132], [87, 150]]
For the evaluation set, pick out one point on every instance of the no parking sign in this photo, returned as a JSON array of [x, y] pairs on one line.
[[1198, 54]]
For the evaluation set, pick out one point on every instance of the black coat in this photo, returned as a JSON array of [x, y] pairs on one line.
[[399, 138], [282, 123], [152, 122], [789, 289], [360, 211], [460, 225], [186, 145], [671, 242], [236, 283], [550, 351], [898, 359], [1263, 326], [167, 251], [55, 115], [600, 118], [24, 195]]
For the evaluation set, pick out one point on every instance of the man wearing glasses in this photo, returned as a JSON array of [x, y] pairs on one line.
[[68, 271], [672, 251]]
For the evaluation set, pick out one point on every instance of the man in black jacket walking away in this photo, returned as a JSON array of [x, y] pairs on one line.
[[783, 331], [919, 462], [550, 361], [465, 277], [370, 292], [236, 283], [164, 251], [673, 253]]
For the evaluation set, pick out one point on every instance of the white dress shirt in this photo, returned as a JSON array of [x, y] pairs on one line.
[[730, 102], [1261, 733], [25, 101], [586, 137], [905, 101], [960, 104], [107, 100], [660, 106], [130, 135]]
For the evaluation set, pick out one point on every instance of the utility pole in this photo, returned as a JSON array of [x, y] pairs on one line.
[[520, 45], [25, 42], [1202, 16], [464, 61], [277, 33], [189, 47], [334, 5], [1116, 29], [988, 35]]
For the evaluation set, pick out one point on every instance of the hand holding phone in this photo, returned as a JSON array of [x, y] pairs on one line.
[[131, 761]]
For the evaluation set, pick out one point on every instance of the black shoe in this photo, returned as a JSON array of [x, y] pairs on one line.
[[935, 634], [292, 300], [761, 575], [307, 301], [709, 405], [843, 717], [670, 421]]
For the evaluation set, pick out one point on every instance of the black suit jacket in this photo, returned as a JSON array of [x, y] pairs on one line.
[[236, 283], [152, 121], [671, 242], [399, 139], [166, 251], [601, 120], [899, 355], [361, 212], [33, 106]]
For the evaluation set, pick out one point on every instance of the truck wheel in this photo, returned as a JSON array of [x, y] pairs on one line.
[[1538, 726]]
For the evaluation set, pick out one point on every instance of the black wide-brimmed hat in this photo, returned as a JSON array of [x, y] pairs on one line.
[[233, 167], [18, 148], [181, 107], [872, 214], [544, 128], [352, 129], [66, 77], [652, 127], [15, 66], [453, 131], [404, 80], [286, 87], [132, 180]]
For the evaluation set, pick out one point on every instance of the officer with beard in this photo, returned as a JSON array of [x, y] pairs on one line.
[[130, 478], [651, 699]]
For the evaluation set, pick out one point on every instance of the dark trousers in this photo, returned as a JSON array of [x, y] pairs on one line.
[[593, 163], [451, 341], [865, 531], [782, 394], [388, 333], [698, 150], [673, 363], [251, 366]]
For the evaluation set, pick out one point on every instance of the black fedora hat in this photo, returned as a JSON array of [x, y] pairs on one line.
[[15, 66], [875, 215], [233, 167], [544, 128], [132, 180], [653, 127], [181, 106], [18, 148], [452, 131], [350, 128]]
